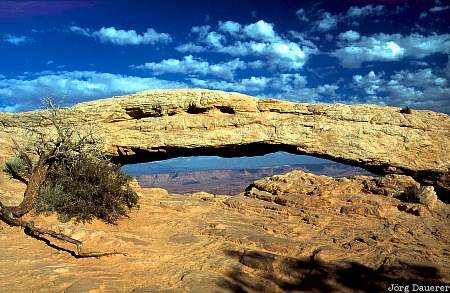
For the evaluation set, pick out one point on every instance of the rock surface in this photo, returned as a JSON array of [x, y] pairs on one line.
[[170, 123], [296, 232]]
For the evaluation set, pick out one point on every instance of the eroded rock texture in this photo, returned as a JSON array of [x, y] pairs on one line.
[[162, 124], [296, 232]]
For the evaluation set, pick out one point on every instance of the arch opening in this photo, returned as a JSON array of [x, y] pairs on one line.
[[229, 175]]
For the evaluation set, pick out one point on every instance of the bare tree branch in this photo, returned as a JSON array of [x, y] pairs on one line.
[[14, 174], [7, 216]]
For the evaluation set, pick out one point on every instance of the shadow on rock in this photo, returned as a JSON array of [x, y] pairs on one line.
[[266, 272]]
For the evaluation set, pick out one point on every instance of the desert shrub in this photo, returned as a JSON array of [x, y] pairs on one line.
[[16, 165], [85, 187], [406, 110], [410, 194]]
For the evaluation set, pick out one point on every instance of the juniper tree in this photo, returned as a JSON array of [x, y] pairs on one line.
[[65, 171]]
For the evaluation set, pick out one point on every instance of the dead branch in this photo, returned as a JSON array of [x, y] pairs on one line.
[[7, 216], [14, 174]]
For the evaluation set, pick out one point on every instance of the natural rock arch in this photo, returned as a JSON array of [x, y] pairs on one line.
[[163, 124]]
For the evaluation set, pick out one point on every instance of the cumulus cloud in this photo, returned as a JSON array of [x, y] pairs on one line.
[[283, 55], [253, 84], [370, 83], [291, 86], [195, 66], [15, 40], [123, 37], [421, 89], [350, 36], [230, 27], [385, 47], [190, 47], [260, 30], [324, 21], [201, 31], [258, 40], [358, 12], [75, 86], [214, 39], [327, 22]]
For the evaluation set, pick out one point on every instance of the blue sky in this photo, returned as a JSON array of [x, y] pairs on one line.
[[387, 52]]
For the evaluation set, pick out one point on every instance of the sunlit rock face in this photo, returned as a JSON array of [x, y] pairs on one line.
[[163, 124]]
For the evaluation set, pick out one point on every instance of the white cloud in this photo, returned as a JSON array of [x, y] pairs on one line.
[[327, 22], [124, 37], [358, 12], [190, 47], [286, 86], [281, 54], [384, 47], [321, 93], [201, 31], [301, 14], [81, 31], [260, 30], [192, 66], [230, 27], [370, 83], [76, 86], [214, 39], [421, 89], [252, 85], [214, 84], [439, 8], [350, 36], [15, 40], [257, 40]]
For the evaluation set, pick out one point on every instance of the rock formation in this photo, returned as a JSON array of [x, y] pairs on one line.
[[156, 125]]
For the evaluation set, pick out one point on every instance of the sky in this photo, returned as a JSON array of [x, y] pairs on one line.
[[387, 52]]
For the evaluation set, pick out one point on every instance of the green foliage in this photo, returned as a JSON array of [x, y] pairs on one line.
[[84, 187], [16, 165]]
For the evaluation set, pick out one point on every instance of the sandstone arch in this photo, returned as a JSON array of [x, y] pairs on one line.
[[162, 124]]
